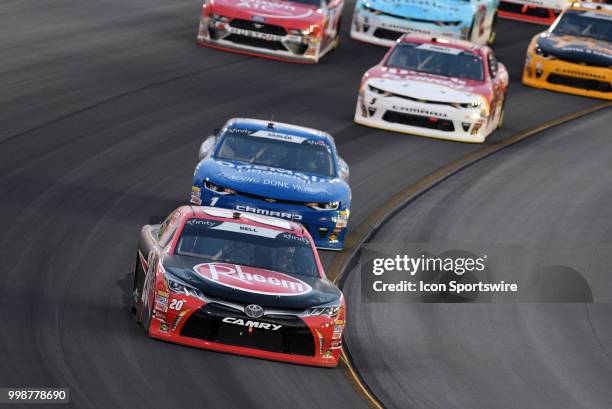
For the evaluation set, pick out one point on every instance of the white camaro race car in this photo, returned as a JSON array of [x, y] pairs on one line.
[[440, 88]]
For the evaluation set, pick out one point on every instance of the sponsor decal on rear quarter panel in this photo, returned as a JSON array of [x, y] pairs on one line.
[[252, 279]]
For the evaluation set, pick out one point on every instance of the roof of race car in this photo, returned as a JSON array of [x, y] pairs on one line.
[[441, 41], [596, 7], [205, 212], [279, 127]]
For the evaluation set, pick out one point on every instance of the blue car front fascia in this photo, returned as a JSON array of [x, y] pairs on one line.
[[366, 22], [320, 223]]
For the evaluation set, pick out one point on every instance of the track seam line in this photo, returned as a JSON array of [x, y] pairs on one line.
[[376, 219]]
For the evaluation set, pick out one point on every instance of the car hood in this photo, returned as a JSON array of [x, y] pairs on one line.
[[431, 10], [287, 14], [273, 183], [269, 289], [577, 49], [431, 88]]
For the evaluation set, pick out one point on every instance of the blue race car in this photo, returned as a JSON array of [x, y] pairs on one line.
[[382, 22], [279, 170]]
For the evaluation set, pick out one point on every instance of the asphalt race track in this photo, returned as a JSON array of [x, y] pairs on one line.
[[544, 204], [103, 107]]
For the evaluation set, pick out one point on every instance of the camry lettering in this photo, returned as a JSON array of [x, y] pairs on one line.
[[252, 324]]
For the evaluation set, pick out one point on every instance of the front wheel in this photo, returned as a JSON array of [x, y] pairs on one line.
[[502, 113], [492, 34], [136, 287], [337, 38]]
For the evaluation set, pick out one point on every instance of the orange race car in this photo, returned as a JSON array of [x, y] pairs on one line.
[[575, 54]]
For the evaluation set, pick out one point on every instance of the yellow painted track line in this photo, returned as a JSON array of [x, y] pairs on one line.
[[357, 237]]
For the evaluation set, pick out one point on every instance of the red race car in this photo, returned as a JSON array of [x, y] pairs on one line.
[[240, 283], [533, 11], [289, 30]]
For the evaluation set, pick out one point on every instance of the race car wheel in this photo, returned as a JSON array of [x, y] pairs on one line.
[[337, 39], [502, 113], [492, 34], [146, 319], [470, 37], [136, 286]]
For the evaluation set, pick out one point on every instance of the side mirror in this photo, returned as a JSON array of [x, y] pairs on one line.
[[207, 147], [343, 169]]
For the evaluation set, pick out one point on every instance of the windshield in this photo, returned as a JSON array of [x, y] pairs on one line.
[[585, 24], [438, 60], [279, 151], [268, 249]]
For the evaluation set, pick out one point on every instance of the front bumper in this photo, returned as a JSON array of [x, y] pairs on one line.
[[384, 30], [327, 227], [284, 47], [431, 120], [213, 325], [524, 12], [564, 76]]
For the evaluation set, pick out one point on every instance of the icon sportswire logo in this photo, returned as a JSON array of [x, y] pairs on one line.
[[252, 279]]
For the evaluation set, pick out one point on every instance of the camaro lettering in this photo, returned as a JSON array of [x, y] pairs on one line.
[[253, 324], [420, 111], [265, 212]]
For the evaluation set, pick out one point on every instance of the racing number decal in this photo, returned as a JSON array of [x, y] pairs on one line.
[[176, 304], [214, 201]]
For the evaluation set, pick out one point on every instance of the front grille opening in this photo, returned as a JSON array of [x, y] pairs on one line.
[[297, 48], [582, 83], [419, 121], [294, 337], [256, 42], [259, 27], [387, 34], [521, 9]]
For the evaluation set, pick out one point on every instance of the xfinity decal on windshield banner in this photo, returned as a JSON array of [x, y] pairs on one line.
[[252, 279], [279, 136], [440, 49]]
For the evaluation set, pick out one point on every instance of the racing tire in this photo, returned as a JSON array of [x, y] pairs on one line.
[[470, 36], [146, 321], [502, 114], [492, 34], [134, 305], [337, 38]]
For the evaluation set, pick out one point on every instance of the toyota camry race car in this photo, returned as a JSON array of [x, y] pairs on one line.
[[293, 30], [239, 283], [382, 22], [440, 88], [278, 170], [575, 54]]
